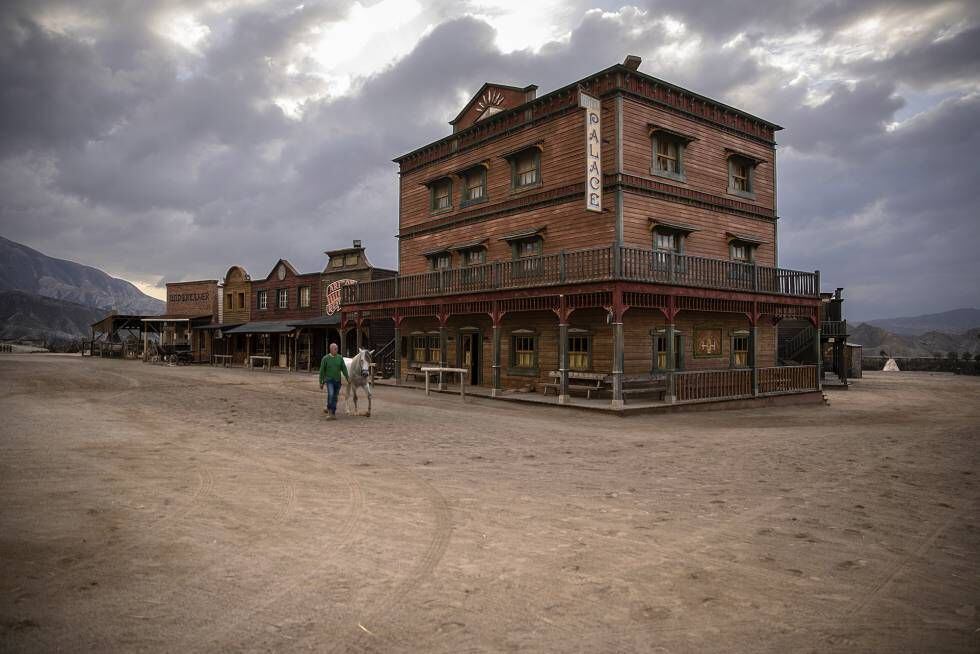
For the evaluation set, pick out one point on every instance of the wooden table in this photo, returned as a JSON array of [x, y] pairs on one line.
[[429, 370], [267, 362], [225, 359]]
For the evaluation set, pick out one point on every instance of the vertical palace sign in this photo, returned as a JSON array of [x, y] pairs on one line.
[[593, 151]]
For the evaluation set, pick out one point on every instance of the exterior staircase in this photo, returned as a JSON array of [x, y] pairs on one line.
[[384, 357], [797, 347]]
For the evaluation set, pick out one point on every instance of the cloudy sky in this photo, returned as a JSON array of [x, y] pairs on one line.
[[164, 140]]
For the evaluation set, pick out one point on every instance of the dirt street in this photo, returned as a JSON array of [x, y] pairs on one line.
[[149, 508]]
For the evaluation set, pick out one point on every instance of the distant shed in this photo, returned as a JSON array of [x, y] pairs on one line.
[[853, 357]]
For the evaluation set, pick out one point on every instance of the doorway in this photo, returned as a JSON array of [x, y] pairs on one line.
[[469, 348], [283, 350]]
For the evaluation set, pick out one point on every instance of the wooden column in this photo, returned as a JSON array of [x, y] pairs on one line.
[[563, 312], [817, 350], [670, 331], [146, 343], [618, 309], [496, 317], [443, 317], [359, 321], [397, 369], [754, 347]]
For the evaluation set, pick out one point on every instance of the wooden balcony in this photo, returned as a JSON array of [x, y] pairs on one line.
[[585, 266]]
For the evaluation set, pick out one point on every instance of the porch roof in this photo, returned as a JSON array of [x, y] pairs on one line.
[[262, 327], [319, 321]]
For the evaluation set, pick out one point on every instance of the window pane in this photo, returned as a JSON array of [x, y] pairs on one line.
[[350, 260]]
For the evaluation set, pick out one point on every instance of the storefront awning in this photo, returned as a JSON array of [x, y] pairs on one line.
[[261, 327], [218, 326], [319, 321], [175, 318]]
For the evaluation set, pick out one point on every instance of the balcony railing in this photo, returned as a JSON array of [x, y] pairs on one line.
[[590, 265], [833, 328]]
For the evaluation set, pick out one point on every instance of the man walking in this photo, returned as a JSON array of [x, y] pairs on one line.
[[332, 366]]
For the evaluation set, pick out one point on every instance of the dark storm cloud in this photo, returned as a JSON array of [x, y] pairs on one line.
[[121, 149]]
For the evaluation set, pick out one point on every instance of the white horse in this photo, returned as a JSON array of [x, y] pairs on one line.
[[359, 373]]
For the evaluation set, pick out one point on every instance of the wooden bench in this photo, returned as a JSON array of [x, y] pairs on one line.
[[223, 359], [590, 382]]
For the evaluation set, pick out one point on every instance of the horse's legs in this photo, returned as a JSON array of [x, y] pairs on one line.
[[367, 387], [353, 390]]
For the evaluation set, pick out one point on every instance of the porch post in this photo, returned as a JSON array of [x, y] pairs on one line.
[[397, 368], [563, 396], [495, 316], [818, 353], [443, 346], [146, 343], [670, 395], [359, 321], [617, 368], [754, 346]]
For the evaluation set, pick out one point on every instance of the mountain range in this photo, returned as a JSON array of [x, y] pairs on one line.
[[928, 335], [956, 321], [42, 297]]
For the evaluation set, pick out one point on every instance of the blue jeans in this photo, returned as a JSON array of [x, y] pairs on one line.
[[333, 390]]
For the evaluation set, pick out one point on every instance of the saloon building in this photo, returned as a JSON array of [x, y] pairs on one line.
[[620, 231]]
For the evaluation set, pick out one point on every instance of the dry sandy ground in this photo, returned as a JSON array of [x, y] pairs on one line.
[[193, 509]]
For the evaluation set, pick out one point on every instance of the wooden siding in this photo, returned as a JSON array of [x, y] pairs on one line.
[[705, 162], [236, 282], [569, 227], [291, 283], [196, 298], [709, 241]]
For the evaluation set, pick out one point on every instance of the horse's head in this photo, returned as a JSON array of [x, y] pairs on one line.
[[365, 356]]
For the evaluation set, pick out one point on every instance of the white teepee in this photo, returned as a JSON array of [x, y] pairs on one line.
[[891, 366]]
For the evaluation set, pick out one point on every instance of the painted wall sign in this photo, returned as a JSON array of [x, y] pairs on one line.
[[707, 342], [333, 294], [593, 151]]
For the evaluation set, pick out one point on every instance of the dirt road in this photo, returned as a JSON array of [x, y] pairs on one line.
[[148, 508]]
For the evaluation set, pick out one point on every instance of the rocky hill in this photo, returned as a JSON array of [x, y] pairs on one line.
[[38, 318], [928, 344], [27, 270], [956, 321]]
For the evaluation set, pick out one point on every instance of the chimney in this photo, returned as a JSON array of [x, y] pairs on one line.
[[357, 242], [632, 62]]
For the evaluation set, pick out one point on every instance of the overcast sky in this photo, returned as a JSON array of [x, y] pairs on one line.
[[163, 140]]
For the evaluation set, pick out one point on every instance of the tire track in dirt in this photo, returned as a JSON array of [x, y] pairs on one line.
[[384, 610], [881, 586], [271, 607]]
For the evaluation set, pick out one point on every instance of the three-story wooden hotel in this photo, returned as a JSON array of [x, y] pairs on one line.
[[619, 228]]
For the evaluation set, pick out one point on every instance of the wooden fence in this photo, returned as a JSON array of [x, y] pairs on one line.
[[712, 385], [787, 379]]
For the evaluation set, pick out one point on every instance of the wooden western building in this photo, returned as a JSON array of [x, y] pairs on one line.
[[288, 319], [192, 307], [620, 229]]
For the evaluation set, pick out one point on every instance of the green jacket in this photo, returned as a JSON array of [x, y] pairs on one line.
[[331, 367]]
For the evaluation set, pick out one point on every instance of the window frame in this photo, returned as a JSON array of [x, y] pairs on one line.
[[351, 259], [282, 298], [464, 199], [309, 296], [750, 164], [433, 186], [515, 158], [527, 265], [241, 299], [523, 371], [679, 341], [586, 335], [262, 300], [738, 335], [416, 337], [435, 257], [658, 137]]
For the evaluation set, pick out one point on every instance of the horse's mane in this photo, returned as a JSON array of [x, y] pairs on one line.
[[354, 363]]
